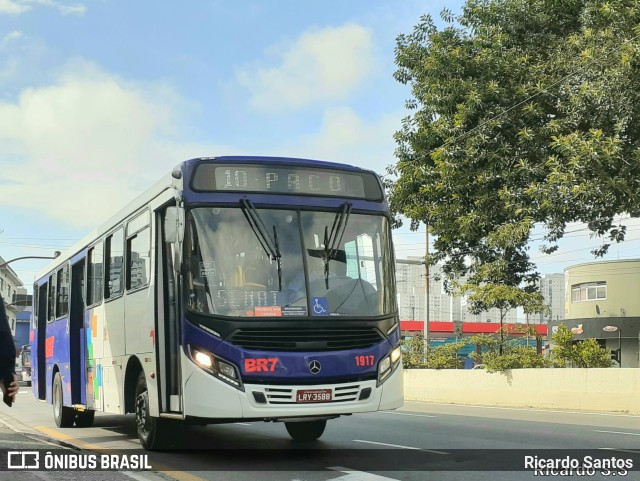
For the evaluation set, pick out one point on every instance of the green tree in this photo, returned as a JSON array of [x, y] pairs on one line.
[[502, 297], [413, 352], [517, 357], [504, 350], [587, 353], [445, 356], [523, 113], [440, 357]]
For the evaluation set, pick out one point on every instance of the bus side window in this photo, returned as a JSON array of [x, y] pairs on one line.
[[139, 262], [62, 291], [52, 299], [94, 276], [114, 256], [138, 257]]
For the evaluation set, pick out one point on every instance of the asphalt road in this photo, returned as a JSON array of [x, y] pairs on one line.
[[420, 441]]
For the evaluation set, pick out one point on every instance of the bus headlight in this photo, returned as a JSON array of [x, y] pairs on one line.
[[223, 370], [202, 359], [388, 365], [395, 355]]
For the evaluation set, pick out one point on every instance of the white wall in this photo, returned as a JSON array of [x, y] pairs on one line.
[[604, 390]]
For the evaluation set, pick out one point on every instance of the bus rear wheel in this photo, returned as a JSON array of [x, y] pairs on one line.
[[306, 430], [151, 430], [63, 416]]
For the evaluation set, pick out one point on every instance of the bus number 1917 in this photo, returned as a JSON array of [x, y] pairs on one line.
[[364, 360]]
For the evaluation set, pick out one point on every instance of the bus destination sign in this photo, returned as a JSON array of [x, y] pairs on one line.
[[286, 180]]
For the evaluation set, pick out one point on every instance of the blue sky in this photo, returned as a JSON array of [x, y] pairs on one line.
[[98, 99]]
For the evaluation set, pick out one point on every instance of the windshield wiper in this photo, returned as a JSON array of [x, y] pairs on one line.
[[332, 240], [270, 246]]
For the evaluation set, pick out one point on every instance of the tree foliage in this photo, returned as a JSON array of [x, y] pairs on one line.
[[517, 357], [504, 350], [522, 113], [439, 357], [413, 352], [587, 353]]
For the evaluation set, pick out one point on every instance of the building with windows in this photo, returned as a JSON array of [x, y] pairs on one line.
[[602, 303], [410, 285], [552, 287], [9, 287]]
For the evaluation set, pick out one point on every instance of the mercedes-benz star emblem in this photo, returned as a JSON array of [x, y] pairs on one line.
[[315, 367]]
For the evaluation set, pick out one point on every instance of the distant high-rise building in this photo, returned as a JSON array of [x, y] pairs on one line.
[[411, 293], [552, 287]]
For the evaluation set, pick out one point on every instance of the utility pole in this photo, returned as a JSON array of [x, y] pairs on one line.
[[426, 290]]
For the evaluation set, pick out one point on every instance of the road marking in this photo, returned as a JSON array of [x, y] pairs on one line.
[[409, 414], [621, 450], [524, 409], [243, 424], [353, 475], [161, 468], [400, 446], [617, 432]]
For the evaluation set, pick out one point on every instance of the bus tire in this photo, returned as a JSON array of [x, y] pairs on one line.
[[84, 419], [306, 430], [151, 434], [63, 416]]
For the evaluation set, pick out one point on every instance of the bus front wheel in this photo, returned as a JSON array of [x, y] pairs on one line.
[[150, 430], [306, 430], [64, 416]]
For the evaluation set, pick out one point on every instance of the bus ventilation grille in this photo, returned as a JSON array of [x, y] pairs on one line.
[[348, 393], [306, 339]]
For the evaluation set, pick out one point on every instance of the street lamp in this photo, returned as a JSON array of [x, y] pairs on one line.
[[619, 352], [6, 263]]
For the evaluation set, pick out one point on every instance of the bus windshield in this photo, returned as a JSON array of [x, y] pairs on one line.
[[247, 262]]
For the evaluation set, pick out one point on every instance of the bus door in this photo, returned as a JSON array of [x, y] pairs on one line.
[[38, 354], [77, 339], [168, 318]]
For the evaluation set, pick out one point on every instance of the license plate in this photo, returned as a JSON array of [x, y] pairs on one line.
[[314, 396]]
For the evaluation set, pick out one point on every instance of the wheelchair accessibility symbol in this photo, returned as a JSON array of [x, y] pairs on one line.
[[320, 306]]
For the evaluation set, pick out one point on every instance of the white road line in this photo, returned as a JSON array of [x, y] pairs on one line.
[[399, 446], [525, 409], [408, 414], [243, 424], [621, 450], [353, 475], [617, 432]]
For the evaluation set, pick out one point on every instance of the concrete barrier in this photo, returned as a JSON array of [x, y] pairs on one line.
[[596, 390]]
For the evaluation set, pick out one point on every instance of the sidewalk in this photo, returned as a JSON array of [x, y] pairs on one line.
[[16, 436]]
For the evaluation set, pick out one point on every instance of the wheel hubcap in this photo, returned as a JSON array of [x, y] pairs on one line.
[[142, 413], [56, 401]]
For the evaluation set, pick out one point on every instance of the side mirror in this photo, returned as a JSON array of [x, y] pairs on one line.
[[173, 225]]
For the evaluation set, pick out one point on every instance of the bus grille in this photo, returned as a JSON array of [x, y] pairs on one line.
[[306, 339], [288, 396]]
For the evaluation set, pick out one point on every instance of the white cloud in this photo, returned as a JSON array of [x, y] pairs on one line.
[[12, 7], [82, 148], [346, 137], [10, 38], [321, 65], [15, 7]]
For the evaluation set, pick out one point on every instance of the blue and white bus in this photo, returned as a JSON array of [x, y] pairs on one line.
[[236, 288]]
